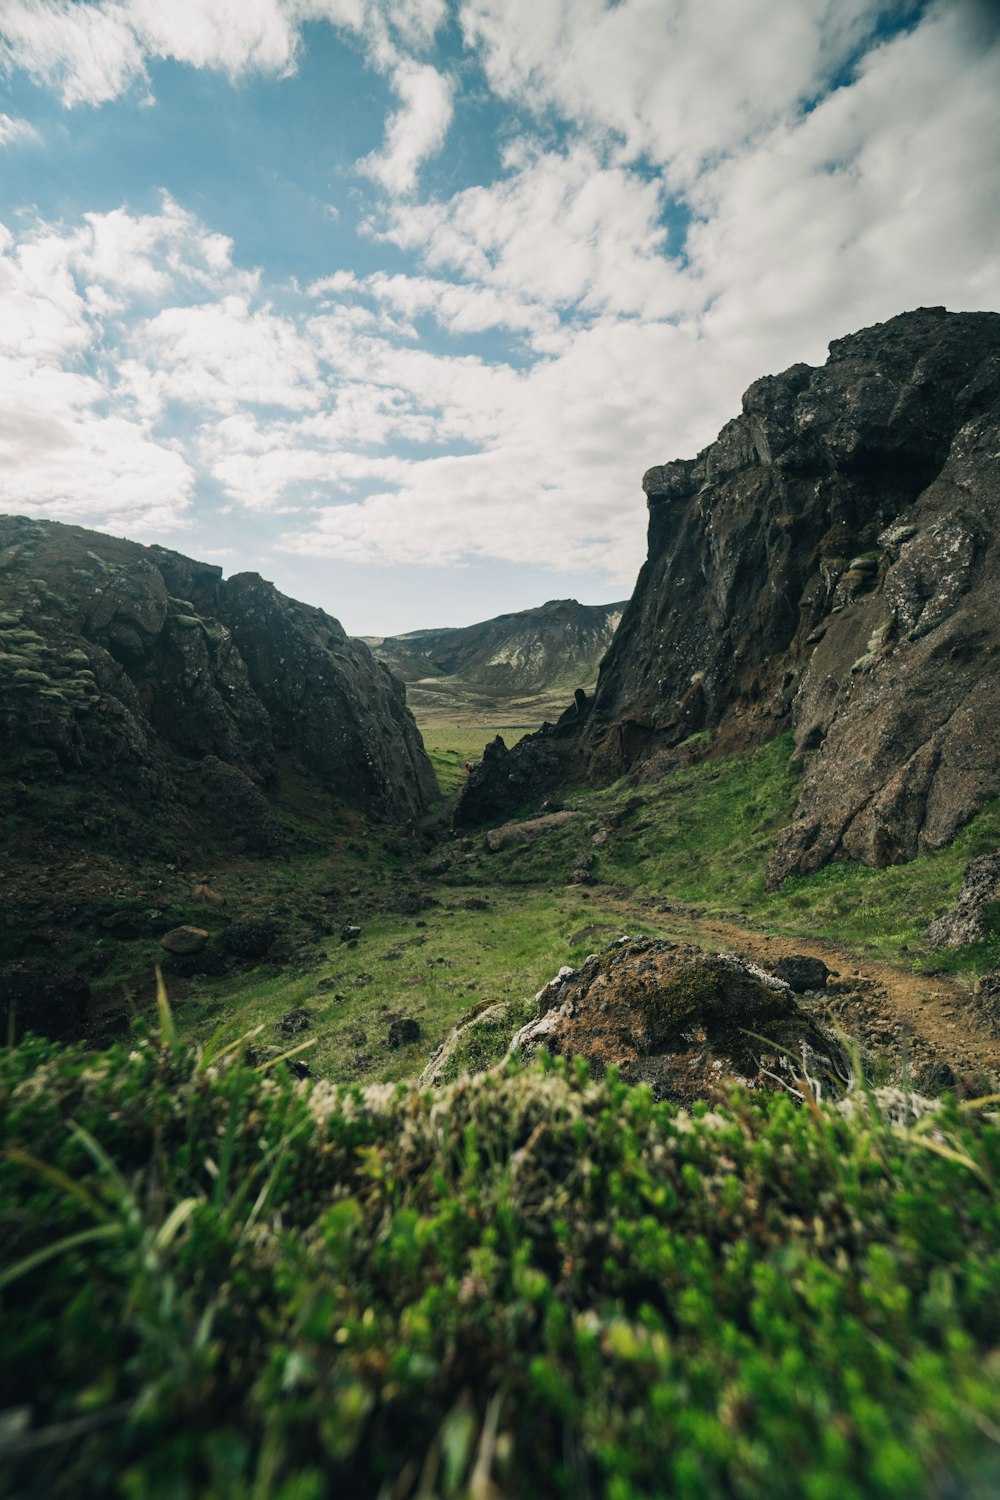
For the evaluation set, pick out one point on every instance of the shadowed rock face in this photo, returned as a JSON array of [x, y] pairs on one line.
[[342, 713], [829, 565], [177, 694]]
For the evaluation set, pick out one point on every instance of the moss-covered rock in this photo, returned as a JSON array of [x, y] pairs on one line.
[[689, 1023]]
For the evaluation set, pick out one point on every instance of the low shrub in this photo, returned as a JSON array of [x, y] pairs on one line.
[[229, 1284]]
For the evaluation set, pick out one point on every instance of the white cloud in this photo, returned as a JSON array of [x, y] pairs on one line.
[[72, 443], [678, 80], [561, 228], [221, 355], [416, 131], [137, 348], [235, 36], [90, 52], [886, 196], [95, 50], [12, 129], [458, 307]]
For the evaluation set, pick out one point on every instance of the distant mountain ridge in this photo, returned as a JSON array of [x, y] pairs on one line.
[[559, 644]]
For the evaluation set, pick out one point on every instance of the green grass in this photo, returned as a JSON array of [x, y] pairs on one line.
[[699, 838], [702, 835], [431, 967], [223, 1285]]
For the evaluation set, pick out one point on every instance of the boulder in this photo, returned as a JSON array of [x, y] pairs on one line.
[[976, 915], [207, 895], [403, 1032], [801, 972], [511, 834], [184, 941], [248, 940], [689, 1023], [478, 1040], [984, 1005]]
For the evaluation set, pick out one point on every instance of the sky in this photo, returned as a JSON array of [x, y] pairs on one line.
[[394, 301]]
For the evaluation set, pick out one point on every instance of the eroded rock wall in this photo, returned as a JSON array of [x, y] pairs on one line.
[[829, 564], [144, 674]]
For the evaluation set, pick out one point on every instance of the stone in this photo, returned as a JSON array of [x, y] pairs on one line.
[[511, 834], [206, 894], [248, 940], [665, 1014], [801, 972], [403, 1031], [935, 1078], [984, 1005], [294, 1021], [184, 941], [976, 915], [350, 933]]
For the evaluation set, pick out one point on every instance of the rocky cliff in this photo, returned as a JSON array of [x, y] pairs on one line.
[[828, 564], [560, 643], [137, 677]]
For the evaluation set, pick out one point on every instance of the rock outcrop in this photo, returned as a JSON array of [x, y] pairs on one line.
[[689, 1023], [975, 917], [827, 565], [335, 708], [174, 697]]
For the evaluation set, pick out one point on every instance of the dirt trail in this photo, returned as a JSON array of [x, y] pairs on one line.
[[931, 1012]]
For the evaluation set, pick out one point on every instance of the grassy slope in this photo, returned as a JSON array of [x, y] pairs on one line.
[[702, 835]]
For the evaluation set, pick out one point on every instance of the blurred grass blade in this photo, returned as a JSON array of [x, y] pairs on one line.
[[175, 1221], [168, 1027], [58, 1179], [49, 1252], [948, 1153], [292, 1051]]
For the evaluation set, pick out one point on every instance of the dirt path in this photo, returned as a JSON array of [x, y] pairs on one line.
[[882, 1005]]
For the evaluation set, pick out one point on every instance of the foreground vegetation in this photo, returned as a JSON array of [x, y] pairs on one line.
[[226, 1284]]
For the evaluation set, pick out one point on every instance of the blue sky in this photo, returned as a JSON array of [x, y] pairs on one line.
[[395, 302]]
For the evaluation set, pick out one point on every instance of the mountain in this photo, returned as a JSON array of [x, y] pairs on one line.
[[828, 565], [559, 645], [145, 697]]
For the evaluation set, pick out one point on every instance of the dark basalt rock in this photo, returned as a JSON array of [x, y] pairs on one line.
[[403, 1031], [827, 565], [342, 714], [507, 779], [248, 940], [985, 1003], [174, 698], [801, 972]]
